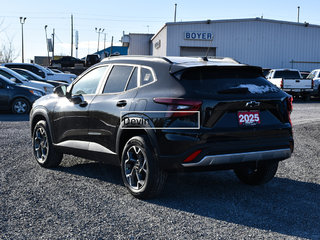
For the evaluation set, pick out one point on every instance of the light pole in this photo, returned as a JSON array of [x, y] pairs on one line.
[[45, 29], [100, 30], [22, 21]]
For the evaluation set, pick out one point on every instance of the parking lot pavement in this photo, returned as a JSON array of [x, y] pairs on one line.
[[87, 200]]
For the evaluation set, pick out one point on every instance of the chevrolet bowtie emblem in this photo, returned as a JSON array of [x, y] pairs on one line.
[[253, 104]]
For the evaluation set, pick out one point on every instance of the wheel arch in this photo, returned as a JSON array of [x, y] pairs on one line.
[[37, 115], [24, 98], [125, 134]]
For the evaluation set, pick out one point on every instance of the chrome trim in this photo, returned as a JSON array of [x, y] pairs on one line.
[[278, 154], [83, 145]]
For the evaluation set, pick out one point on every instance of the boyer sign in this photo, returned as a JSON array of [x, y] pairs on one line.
[[206, 36]]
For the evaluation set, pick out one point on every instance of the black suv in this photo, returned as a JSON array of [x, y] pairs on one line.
[[151, 115], [67, 61]]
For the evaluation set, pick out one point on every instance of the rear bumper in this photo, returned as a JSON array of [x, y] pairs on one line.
[[235, 158]]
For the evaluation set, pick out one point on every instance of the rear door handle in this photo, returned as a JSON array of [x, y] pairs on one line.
[[121, 103]]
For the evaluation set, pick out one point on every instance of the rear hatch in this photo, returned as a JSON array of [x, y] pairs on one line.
[[239, 106]]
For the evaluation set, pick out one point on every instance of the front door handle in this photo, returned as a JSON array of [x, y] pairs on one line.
[[121, 103]]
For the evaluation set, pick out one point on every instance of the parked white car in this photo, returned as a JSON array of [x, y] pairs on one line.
[[17, 78], [43, 72], [315, 77]]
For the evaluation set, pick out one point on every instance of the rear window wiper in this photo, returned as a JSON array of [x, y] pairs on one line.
[[234, 90]]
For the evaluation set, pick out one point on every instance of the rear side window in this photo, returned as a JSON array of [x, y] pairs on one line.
[[146, 76], [117, 79], [223, 81], [287, 74]]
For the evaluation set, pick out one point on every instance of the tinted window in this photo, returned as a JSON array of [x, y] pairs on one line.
[[146, 76], [223, 81], [88, 83], [117, 79], [287, 74], [133, 80], [7, 75]]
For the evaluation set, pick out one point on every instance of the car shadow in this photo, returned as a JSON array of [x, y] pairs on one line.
[[283, 205], [9, 117]]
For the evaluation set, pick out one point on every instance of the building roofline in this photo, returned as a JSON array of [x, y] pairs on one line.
[[305, 24], [140, 34], [165, 25], [243, 20]]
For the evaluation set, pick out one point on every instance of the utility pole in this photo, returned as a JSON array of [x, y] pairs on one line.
[[71, 35], [53, 44], [104, 45], [45, 29], [298, 14], [22, 21], [77, 42], [100, 30], [111, 46], [175, 12]]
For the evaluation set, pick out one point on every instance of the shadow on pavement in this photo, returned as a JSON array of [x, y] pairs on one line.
[[283, 205], [9, 117]]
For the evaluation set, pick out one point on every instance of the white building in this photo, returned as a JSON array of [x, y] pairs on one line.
[[255, 41]]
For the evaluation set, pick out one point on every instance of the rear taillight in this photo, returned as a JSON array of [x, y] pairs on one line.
[[289, 108], [179, 106], [289, 104], [312, 83], [281, 83]]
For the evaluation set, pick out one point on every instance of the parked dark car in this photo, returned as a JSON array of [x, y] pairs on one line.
[[32, 76], [67, 61], [151, 115], [92, 59], [17, 97]]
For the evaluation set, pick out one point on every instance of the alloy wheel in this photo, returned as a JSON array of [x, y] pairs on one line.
[[20, 107], [41, 147], [136, 168]]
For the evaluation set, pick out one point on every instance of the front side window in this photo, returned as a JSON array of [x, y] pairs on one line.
[[88, 84], [5, 74], [117, 79]]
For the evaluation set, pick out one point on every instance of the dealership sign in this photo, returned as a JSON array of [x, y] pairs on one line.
[[207, 36]]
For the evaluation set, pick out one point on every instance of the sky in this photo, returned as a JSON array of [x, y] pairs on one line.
[[116, 17]]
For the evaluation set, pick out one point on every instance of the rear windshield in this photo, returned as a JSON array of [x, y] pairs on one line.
[[287, 74], [225, 81]]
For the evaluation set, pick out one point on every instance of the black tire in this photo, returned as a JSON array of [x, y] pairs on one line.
[[261, 174], [140, 169], [20, 106], [43, 150]]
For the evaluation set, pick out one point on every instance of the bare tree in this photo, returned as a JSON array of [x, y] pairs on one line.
[[8, 53]]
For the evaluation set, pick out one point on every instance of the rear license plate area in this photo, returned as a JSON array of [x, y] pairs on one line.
[[249, 118]]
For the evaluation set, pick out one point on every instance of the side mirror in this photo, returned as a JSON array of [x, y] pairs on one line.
[[61, 91]]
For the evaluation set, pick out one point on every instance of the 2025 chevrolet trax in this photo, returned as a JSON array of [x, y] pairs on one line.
[[151, 115]]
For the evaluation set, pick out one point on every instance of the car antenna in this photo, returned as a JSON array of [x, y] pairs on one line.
[[205, 58]]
